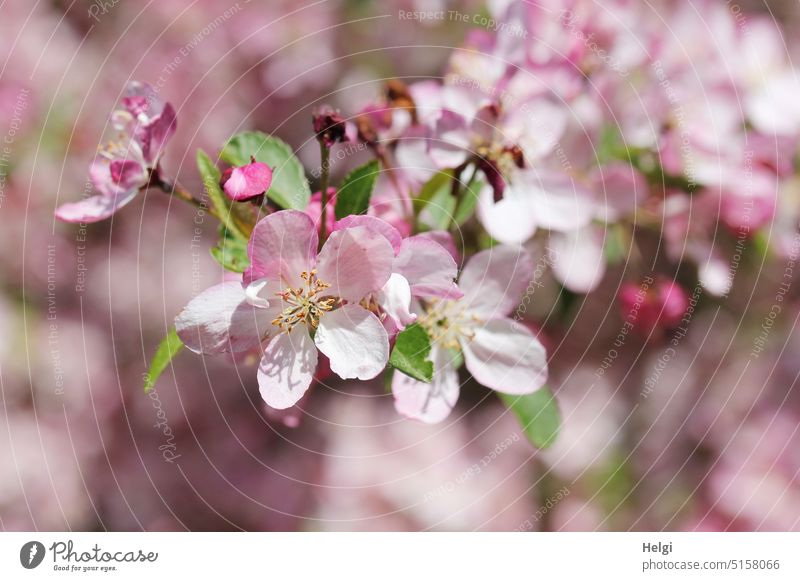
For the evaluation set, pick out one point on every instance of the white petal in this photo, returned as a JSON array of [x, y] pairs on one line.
[[220, 320], [287, 368], [428, 402], [355, 342], [578, 260], [505, 356], [395, 299], [511, 220], [261, 291]]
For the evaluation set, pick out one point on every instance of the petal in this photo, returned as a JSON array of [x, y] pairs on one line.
[[372, 224], [395, 300], [220, 319], [536, 126], [495, 279], [157, 133], [444, 238], [287, 368], [450, 146], [559, 202], [428, 402], [428, 267], [578, 260], [413, 158], [127, 174], [355, 262], [261, 291], [282, 246], [248, 181], [94, 208], [355, 342], [505, 356], [511, 220]]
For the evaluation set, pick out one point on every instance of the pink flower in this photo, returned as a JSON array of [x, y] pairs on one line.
[[123, 167], [295, 301], [500, 353], [246, 182]]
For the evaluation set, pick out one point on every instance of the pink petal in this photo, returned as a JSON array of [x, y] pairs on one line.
[[287, 368], [559, 202], [220, 320], [94, 208], [578, 259], [620, 189], [354, 341], [372, 224], [428, 402], [444, 238], [505, 356], [282, 246], [450, 146], [428, 267], [494, 280], [158, 133], [247, 181], [355, 262], [127, 174]]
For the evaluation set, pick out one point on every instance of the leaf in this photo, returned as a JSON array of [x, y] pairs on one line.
[[435, 204], [167, 349], [410, 353], [289, 187], [231, 252], [354, 193], [538, 414], [468, 201]]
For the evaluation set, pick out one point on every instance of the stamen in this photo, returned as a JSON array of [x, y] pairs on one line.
[[304, 304]]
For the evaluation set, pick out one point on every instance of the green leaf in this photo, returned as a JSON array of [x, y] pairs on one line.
[[353, 195], [538, 414], [289, 187], [167, 349], [410, 353], [468, 201], [435, 204], [616, 244], [231, 252]]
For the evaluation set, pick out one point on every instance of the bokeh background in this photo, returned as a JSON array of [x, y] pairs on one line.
[[713, 446]]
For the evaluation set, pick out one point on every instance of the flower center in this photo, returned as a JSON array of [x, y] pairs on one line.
[[446, 322], [304, 304]]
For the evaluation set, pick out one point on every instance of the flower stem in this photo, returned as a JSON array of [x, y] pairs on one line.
[[324, 154]]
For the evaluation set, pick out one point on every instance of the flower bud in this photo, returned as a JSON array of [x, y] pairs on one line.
[[329, 126]]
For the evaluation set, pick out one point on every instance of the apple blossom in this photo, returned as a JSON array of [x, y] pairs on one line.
[[124, 166], [499, 352], [295, 301]]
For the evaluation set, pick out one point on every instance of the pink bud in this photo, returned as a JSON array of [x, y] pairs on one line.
[[246, 182], [660, 305]]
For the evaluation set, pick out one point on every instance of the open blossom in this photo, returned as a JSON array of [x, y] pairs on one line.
[[499, 352], [144, 124], [246, 182], [295, 301]]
